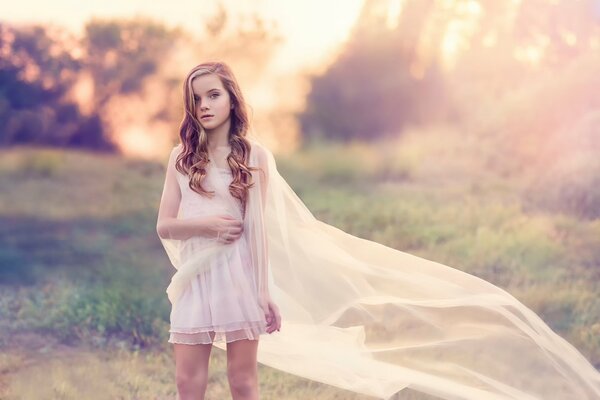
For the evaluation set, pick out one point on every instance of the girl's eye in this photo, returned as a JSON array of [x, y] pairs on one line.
[[196, 98]]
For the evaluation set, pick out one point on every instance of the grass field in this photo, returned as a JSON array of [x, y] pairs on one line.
[[83, 274]]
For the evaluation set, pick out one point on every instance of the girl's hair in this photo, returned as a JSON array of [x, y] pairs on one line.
[[193, 159]]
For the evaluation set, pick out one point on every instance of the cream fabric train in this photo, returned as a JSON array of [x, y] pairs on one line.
[[374, 320]]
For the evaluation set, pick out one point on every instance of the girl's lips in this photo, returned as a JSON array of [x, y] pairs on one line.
[[207, 117]]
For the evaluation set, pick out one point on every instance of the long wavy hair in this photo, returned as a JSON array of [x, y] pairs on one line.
[[193, 159]]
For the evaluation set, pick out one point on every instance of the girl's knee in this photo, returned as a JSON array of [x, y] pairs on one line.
[[188, 384], [242, 382]]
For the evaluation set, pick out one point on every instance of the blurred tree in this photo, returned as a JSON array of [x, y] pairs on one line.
[[216, 25], [37, 68], [375, 88], [40, 65], [438, 58], [121, 54], [57, 89]]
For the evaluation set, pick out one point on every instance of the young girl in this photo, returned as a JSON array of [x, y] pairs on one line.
[[359, 315], [208, 181]]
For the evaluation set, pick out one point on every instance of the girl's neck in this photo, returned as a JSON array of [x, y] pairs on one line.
[[218, 140]]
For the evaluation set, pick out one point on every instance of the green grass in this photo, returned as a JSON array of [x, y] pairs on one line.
[[80, 260]]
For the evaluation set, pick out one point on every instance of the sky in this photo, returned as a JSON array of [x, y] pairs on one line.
[[312, 29]]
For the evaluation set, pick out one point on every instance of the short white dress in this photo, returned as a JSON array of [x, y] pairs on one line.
[[221, 303]]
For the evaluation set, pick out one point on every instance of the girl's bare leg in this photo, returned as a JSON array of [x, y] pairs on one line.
[[242, 369], [191, 370]]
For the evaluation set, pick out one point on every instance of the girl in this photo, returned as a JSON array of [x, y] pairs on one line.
[[208, 181], [358, 315]]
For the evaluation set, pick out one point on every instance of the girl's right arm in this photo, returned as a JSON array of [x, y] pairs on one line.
[[168, 226]]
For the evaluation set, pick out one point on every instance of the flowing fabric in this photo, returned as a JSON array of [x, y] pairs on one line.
[[374, 320]]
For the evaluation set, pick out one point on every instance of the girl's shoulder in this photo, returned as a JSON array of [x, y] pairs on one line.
[[175, 151]]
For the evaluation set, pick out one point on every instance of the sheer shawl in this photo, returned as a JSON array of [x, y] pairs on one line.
[[375, 320]]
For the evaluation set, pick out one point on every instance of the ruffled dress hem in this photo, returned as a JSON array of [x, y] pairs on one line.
[[227, 333]]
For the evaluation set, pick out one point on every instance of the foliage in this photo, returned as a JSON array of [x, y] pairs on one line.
[[370, 91], [36, 72]]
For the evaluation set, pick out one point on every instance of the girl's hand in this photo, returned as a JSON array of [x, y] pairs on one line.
[[272, 315], [225, 228]]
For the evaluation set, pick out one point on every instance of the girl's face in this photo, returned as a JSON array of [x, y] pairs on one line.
[[211, 98]]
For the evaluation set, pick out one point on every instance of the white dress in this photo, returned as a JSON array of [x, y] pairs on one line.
[[220, 304]]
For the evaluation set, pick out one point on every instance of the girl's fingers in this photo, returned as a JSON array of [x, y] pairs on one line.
[[275, 318], [231, 236], [278, 322], [270, 320]]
